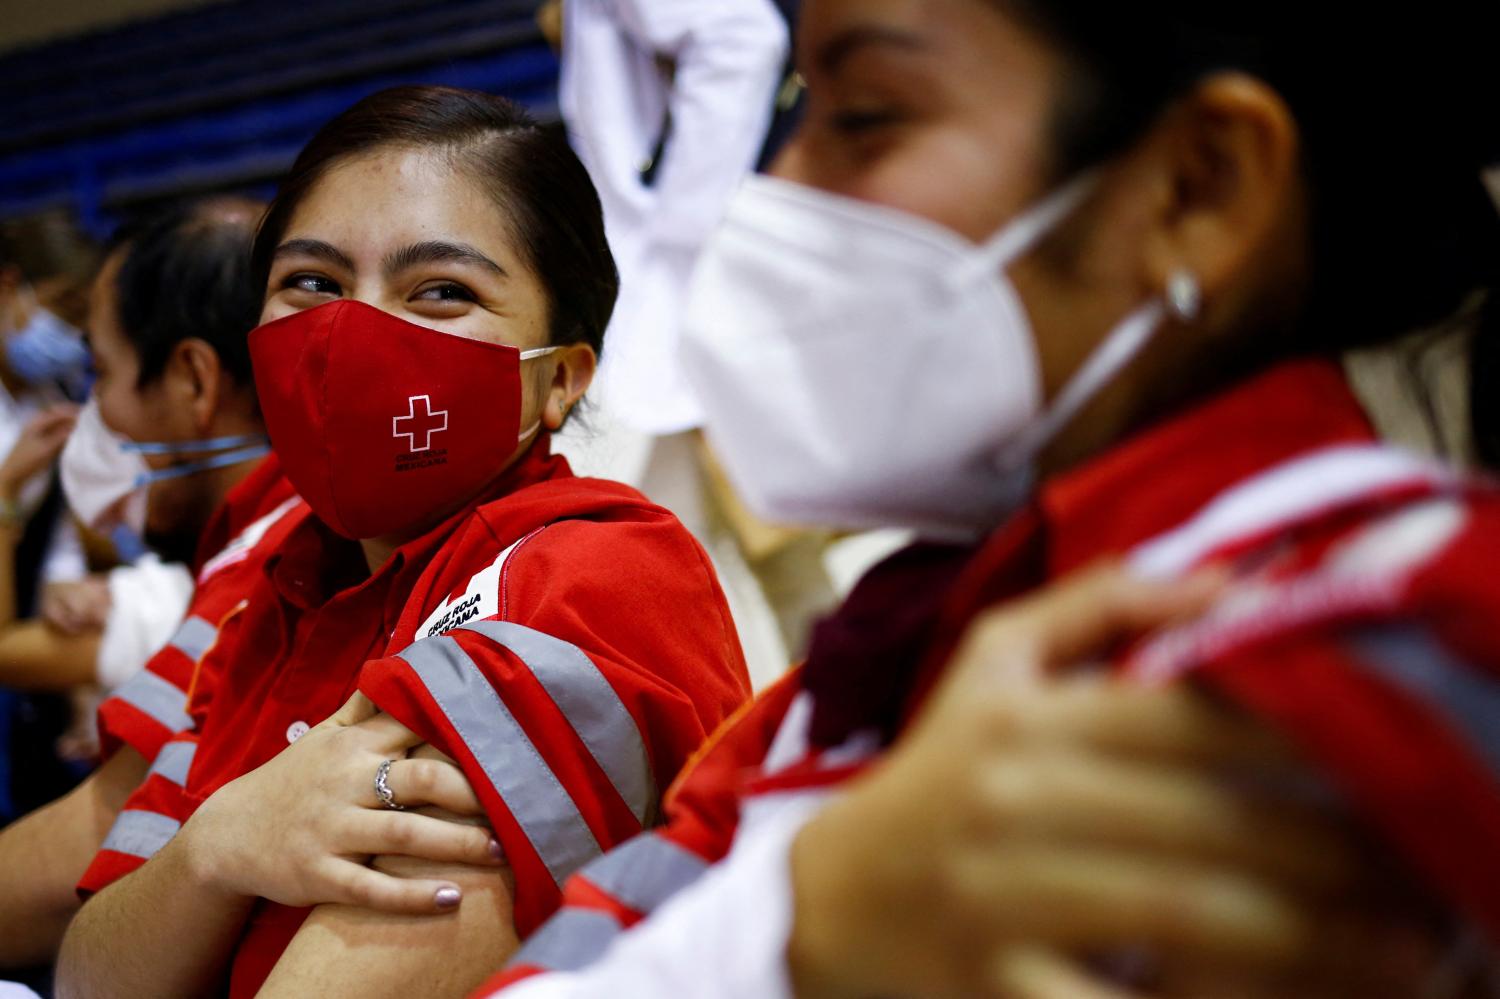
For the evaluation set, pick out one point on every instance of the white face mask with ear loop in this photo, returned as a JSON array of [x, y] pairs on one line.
[[105, 477], [862, 367]]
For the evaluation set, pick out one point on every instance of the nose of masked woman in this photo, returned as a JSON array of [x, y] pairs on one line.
[[939, 426], [382, 424]]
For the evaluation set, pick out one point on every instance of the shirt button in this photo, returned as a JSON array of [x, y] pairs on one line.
[[296, 730]]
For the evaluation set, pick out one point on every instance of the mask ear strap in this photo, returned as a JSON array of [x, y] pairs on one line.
[[189, 447], [1024, 231], [1103, 365], [193, 467], [527, 355]]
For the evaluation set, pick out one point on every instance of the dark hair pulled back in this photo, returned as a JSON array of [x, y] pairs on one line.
[[533, 176]]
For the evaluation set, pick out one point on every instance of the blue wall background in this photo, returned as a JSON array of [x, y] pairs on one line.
[[222, 97]]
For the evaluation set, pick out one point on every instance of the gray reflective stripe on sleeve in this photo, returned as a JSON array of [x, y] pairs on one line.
[[569, 940], [140, 834], [157, 697], [590, 704], [541, 805], [174, 761], [645, 872], [1415, 661], [194, 637]]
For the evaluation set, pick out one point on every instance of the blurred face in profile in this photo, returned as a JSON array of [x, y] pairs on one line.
[[146, 412], [950, 110], [939, 108]]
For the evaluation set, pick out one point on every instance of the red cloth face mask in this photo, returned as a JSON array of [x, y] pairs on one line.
[[381, 424]]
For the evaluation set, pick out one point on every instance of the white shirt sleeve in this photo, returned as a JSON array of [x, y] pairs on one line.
[[724, 937], [65, 561], [727, 58], [147, 602]]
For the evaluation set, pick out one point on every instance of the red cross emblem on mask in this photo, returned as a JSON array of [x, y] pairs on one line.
[[419, 424]]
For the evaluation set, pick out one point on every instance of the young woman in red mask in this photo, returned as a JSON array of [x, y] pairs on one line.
[[1061, 282], [437, 289]]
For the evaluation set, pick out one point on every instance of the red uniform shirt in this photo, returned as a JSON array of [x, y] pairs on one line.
[[151, 707], [1362, 624], [152, 712], [566, 643]]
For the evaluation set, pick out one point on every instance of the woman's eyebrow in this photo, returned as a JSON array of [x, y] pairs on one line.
[[316, 248], [438, 251], [839, 49]]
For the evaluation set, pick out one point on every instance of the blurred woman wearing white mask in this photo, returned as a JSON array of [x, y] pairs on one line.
[[1057, 283]]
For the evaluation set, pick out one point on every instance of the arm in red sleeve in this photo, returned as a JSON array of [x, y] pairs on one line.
[[610, 659]]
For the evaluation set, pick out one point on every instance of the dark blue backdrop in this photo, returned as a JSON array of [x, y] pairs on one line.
[[222, 97]]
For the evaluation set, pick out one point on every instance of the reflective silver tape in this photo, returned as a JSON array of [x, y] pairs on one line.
[[194, 637], [1412, 659], [645, 872], [157, 697], [540, 804], [140, 834], [589, 703], [569, 940], [174, 761]]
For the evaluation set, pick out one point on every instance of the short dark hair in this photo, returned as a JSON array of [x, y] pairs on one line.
[[529, 171], [186, 274]]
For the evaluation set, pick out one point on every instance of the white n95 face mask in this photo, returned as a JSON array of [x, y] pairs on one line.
[[863, 367], [105, 477]]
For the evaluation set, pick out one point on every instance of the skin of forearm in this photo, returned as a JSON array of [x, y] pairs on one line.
[[164, 931], [37, 658], [10, 536], [344, 951], [43, 855]]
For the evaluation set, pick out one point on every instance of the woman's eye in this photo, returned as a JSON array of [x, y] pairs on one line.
[[860, 121], [446, 292], [315, 284]]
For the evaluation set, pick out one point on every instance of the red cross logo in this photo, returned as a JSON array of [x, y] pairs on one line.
[[423, 424]]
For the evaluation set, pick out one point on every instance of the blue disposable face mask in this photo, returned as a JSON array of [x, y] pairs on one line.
[[105, 476], [48, 351]]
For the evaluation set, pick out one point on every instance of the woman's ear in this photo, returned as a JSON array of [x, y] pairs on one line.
[[1229, 154], [193, 379], [576, 364]]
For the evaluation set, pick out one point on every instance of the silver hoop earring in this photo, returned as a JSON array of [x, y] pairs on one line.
[[1184, 297]]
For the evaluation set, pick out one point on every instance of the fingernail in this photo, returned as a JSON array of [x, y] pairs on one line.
[[495, 849], [447, 898]]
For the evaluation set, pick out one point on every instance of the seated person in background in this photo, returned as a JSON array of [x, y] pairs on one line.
[[1061, 283], [93, 632], [46, 264], [437, 285], [45, 267], [168, 317]]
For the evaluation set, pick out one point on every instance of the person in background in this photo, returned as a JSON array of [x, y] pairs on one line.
[[1054, 284], [168, 315], [94, 633], [668, 105], [45, 266]]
